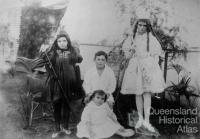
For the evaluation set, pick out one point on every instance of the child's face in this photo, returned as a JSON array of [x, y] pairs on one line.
[[142, 27], [62, 42], [99, 99], [100, 61]]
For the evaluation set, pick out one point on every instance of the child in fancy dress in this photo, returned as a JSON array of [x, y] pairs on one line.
[[98, 120]]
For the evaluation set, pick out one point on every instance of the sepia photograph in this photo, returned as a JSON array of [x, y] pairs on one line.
[[99, 69]]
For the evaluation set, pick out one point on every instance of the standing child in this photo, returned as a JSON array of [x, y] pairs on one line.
[[62, 80], [143, 76], [98, 121]]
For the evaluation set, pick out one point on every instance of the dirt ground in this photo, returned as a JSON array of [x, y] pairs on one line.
[[13, 124]]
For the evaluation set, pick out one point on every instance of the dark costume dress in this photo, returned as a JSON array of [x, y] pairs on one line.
[[69, 89], [64, 65]]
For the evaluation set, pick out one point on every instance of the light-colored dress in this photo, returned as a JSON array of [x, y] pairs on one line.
[[143, 73], [103, 121], [106, 81]]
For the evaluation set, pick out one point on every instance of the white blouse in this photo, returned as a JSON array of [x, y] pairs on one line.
[[106, 81]]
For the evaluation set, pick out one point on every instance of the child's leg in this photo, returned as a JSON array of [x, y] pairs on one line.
[[65, 116], [57, 114], [147, 108], [147, 105], [140, 106]]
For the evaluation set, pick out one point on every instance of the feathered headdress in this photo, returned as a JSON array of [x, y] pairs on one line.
[[142, 13]]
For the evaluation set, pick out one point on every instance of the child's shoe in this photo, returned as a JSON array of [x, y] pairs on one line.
[[148, 126], [67, 132], [125, 132], [139, 124], [55, 135]]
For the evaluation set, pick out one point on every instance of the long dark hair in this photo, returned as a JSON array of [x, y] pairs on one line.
[[148, 27], [69, 44]]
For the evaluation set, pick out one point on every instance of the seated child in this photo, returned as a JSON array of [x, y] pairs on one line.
[[98, 120]]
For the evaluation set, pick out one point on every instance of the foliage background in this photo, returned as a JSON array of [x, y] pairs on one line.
[[37, 25]]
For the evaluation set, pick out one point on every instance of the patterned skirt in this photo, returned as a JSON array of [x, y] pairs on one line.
[[143, 75]]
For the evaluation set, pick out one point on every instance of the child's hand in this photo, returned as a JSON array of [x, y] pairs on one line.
[[67, 52], [87, 98], [110, 104], [130, 53], [108, 95]]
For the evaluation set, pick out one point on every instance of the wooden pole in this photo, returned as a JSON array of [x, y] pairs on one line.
[[165, 69]]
